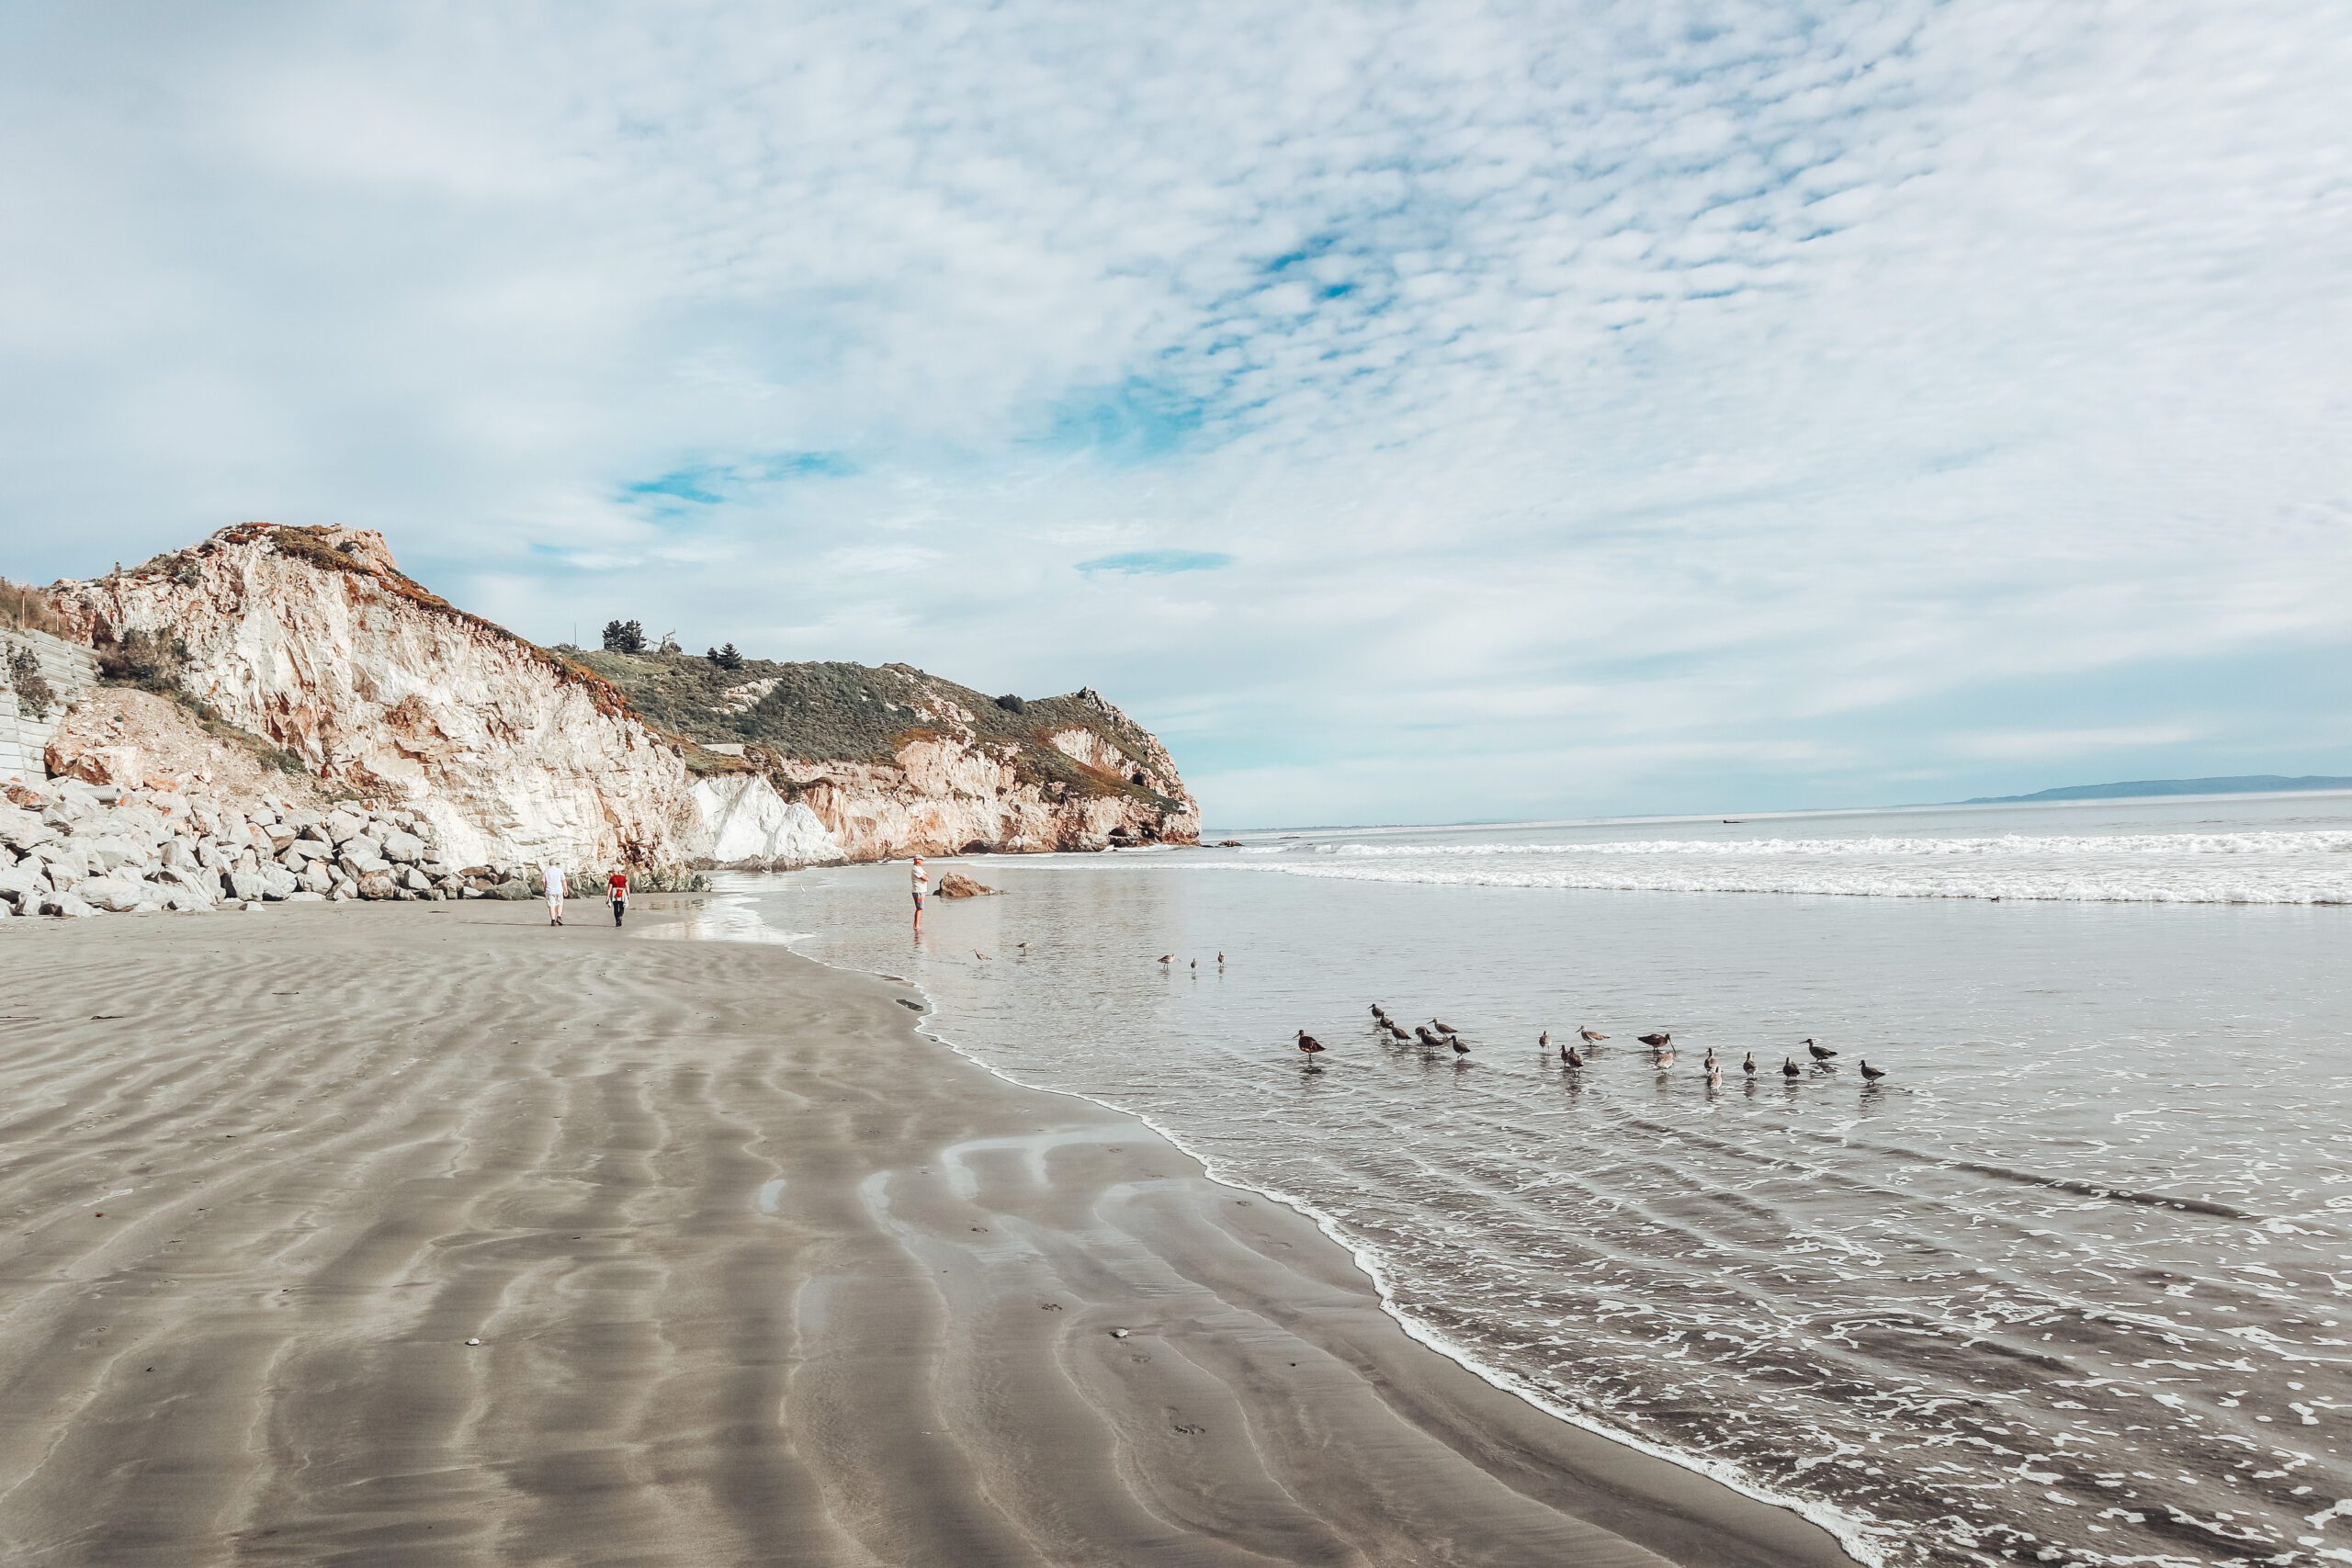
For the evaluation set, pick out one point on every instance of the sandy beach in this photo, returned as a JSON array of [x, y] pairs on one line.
[[758, 1273]]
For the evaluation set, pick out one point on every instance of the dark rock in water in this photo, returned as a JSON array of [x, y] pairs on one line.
[[1228, 843], [955, 885], [911, 1004]]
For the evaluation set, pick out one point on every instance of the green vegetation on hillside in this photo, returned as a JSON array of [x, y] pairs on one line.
[[852, 713]]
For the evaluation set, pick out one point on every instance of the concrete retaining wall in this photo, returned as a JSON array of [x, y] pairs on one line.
[[70, 669]]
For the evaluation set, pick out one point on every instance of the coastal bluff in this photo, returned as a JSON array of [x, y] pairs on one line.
[[308, 647]]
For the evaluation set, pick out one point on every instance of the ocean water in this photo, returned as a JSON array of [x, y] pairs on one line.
[[2073, 1283]]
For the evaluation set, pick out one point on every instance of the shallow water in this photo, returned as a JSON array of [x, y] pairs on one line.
[[2067, 1285]]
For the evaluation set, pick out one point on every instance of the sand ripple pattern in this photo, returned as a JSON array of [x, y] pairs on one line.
[[758, 1277]]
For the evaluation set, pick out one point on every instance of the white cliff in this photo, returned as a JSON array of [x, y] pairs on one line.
[[312, 640]]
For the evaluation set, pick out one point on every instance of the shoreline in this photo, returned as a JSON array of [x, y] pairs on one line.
[[760, 1271], [1850, 1533]]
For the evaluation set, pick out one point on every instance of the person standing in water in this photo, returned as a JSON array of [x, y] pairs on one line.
[[922, 879], [617, 887], [551, 878]]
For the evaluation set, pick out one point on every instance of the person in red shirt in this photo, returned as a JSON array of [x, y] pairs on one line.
[[617, 886]]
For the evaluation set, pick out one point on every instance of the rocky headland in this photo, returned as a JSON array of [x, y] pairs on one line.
[[285, 709]]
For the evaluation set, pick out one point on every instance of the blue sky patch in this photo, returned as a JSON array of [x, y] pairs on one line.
[[1156, 563]]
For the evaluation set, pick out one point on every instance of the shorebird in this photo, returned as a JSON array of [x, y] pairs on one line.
[[1788, 1067], [1572, 1056], [1309, 1043], [1196, 964], [1421, 1032], [1220, 960], [1592, 1037], [1379, 1012], [1656, 1041], [981, 956], [1711, 1060], [1870, 1074], [1443, 1027], [1544, 1041], [1168, 958], [1748, 1067], [1459, 1048], [1396, 1030], [1820, 1053]]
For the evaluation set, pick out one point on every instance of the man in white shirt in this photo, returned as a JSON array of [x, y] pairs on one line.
[[551, 880], [922, 885]]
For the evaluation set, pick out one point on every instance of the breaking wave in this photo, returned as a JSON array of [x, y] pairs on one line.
[[2253, 867]]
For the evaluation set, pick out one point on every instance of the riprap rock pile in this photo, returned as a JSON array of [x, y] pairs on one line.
[[71, 848]]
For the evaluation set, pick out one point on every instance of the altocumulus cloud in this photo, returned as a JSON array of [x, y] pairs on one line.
[[1617, 408]]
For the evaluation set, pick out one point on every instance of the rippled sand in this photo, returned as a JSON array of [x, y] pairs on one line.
[[759, 1276]]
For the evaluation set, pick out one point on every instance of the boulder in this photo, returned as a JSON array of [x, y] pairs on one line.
[[343, 826], [402, 848], [97, 764], [955, 885], [318, 877], [110, 854], [379, 885], [357, 866], [65, 905], [415, 881], [306, 895], [514, 889], [277, 882], [245, 887]]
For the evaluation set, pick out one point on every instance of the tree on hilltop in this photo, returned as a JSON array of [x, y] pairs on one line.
[[726, 658], [624, 636]]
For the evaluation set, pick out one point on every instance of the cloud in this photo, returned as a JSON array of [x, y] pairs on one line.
[[1156, 563], [1614, 414]]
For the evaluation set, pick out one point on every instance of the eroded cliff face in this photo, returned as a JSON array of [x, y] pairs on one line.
[[312, 640]]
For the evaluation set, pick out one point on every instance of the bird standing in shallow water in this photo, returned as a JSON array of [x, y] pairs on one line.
[[1421, 1032], [1379, 1012], [1870, 1074], [1788, 1067], [1544, 1041], [1572, 1056], [1459, 1049], [1443, 1027], [1168, 958], [1820, 1053], [1748, 1067], [1712, 1068], [1656, 1041], [1396, 1030], [1591, 1037], [1309, 1043]]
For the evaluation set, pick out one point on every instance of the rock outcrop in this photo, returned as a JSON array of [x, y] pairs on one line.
[[311, 651], [890, 760], [312, 640]]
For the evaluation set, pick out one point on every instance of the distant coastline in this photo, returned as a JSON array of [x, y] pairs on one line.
[[2244, 783]]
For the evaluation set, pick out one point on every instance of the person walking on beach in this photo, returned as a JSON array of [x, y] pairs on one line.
[[617, 888], [551, 879], [922, 879]]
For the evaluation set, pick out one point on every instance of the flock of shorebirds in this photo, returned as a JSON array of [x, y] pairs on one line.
[[1438, 1035]]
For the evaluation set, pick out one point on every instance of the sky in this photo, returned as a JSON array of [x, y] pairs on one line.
[[1427, 412]]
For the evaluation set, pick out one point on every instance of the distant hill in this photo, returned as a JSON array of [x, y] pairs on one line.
[[2245, 783]]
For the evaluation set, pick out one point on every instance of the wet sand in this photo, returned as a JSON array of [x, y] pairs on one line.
[[759, 1276]]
